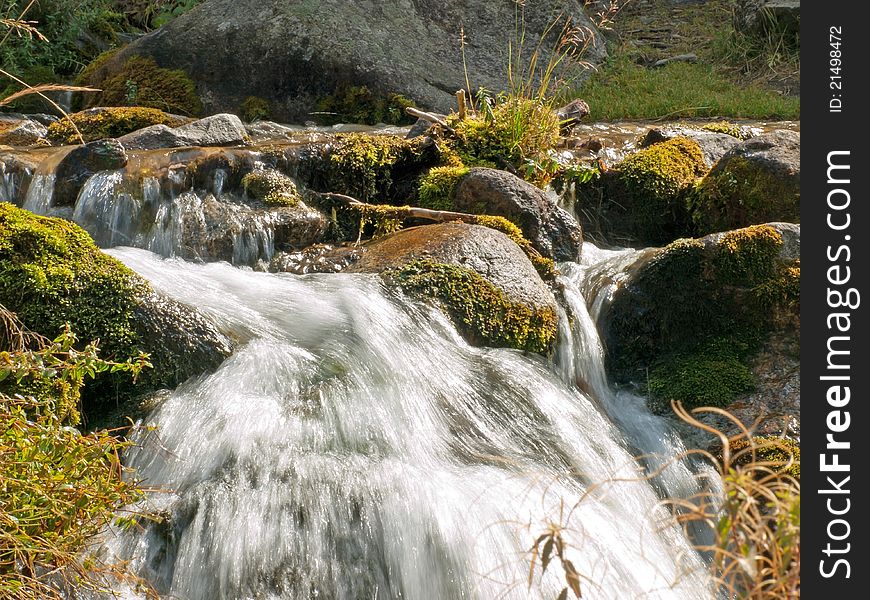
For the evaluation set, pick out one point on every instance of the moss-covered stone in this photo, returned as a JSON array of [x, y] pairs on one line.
[[481, 311], [783, 454], [376, 168], [644, 198], [97, 124], [254, 108], [546, 267], [727, 128], [359, 104], [141, 82], [690, 320], [438, 186], [271, 187]]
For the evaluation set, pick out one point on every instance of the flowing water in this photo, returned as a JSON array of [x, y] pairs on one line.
[[354, 447]]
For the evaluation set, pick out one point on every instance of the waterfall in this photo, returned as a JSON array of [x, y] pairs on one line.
[[354, 447]]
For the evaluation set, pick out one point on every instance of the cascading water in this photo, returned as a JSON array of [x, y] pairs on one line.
[[354, 447]]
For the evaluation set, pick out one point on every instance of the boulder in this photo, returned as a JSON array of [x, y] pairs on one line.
[[22, 133], [477, 275], [80, 163], [216, 130], [757, 181], [758, 18], [54, 274], [296, 54], [550, 229]]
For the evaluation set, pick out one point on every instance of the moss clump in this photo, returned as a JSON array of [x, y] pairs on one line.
[[741, 193], [438, 186], [371, 167], [657, 180], [785, 454], [747, 257], [358, 104], [727, 128], [479, 309], [516, 133], [52, 274], [712, 376], [254, 108], [140, 82], [271, 187], [103, 123]]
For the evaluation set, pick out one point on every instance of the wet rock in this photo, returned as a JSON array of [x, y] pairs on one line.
[[23, 133], [305, 51], [216, 130], [478, 276], [552, 231], [319, 258], [83, 161], [570, 114]]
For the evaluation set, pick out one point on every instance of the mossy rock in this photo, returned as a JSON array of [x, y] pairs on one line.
[[52, 274], [139, 81], [644, 198], [271, 187], [100, 123], [756, 182], [477, 275], [359, 104], [380, 169], [687, 322], [728, 128]]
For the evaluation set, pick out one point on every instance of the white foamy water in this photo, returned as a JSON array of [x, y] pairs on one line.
[[354, 447]]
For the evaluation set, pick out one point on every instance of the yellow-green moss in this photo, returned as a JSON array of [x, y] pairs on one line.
[[516, 132], [481, 311], [107, 123], [368, 166], [358, 104], [747, 256], [740, 194], [52, 274], [140, 82], [784, 454], [438, 186], [271, 187], [254, 108], [780, 296], [727, 128]]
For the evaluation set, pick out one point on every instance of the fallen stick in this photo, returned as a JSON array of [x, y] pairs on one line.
[[414, 112]]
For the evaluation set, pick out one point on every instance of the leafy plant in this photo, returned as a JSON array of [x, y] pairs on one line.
[[59, 487]]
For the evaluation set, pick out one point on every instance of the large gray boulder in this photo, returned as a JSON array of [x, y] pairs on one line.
[[552, 231], [294, 53]]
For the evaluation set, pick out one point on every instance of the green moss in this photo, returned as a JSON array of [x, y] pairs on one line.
[[727, 128], [254, 108], [358, 104], [657, 180], [747, 257], [780, 296], [370, 167], [714, 375], [766, 448], [481, 311], [140, 82], [741, 194], [271, 187], [517, 133], [52, 274], [438, 186], [107, 123]]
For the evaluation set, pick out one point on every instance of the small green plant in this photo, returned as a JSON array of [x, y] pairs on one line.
[[359, 104], [254, 108], [60, 487], [438, 186]]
